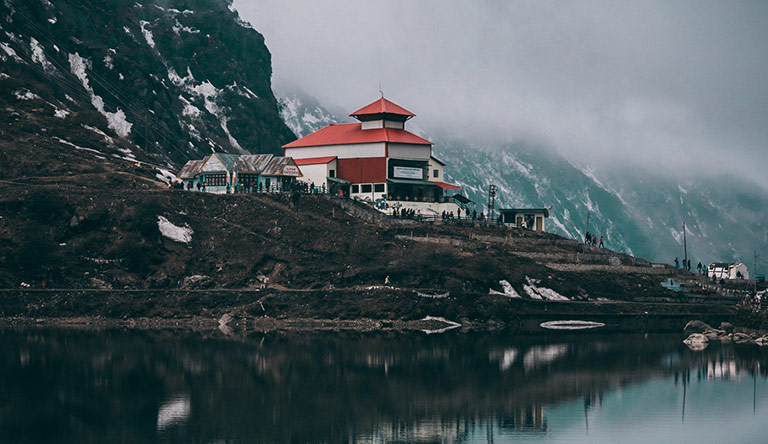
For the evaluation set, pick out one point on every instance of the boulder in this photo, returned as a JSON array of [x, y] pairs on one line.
[[727, 327], [696, 327], [98, 283], [197, 281]]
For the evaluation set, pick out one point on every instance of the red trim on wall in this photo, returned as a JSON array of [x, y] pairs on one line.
[[362, 170]]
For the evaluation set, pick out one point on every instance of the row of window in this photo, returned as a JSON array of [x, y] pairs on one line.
[[366, 188], [215, 180]]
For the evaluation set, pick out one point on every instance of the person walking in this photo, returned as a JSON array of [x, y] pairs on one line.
[[386, 282], [601, 242], [677, 263]]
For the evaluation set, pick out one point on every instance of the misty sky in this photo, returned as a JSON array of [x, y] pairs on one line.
[[681, 83]]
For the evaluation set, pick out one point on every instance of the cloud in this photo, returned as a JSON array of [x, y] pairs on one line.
[[673, 83]]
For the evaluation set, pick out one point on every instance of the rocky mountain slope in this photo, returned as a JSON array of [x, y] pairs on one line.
[[636, 210], [159, 80]]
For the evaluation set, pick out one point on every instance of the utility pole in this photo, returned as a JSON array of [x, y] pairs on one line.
[[754, 272], [685, 249]]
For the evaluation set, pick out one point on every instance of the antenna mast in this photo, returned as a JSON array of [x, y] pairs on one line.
[[491, 201], [685, 249]]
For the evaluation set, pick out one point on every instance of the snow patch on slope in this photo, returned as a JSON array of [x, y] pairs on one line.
[[147, 33], [38, 55], [174, 232], [536, 292], [116, 120], [507, 290]]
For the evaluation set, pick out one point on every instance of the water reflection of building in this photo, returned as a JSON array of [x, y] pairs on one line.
[[530, 418], [525, 418], [423, 431]]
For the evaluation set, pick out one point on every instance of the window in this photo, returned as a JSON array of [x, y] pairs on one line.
[[215, 180], [365, 188], [355, 188], [378, 188], [435, 173], [331, 173]]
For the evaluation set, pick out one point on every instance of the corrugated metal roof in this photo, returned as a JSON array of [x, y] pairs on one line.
[[382, 106], [314, 160], [346, 133], [253, 163], [277, 165], [190, 169], [229, 160]]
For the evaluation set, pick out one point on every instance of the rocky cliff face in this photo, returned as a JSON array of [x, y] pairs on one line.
[[162, 80]]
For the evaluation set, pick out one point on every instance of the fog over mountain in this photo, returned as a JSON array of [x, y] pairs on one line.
[[678, 86]]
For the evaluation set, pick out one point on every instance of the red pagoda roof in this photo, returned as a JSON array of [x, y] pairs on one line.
[[382, 106], [314, 160], [346, 133]]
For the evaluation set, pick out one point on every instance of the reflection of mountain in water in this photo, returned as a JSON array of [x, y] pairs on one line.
[[298, 388]]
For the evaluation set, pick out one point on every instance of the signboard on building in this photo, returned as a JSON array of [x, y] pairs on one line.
[[290, 170], [408, 173]]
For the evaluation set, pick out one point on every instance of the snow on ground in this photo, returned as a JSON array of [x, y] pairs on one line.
[[11, 53], [174, 232], [116, 120], [128, 154], [38, 55], [99, 132], [232, 141], [164, 175], [97, 153], [61, 113], [536, 292], [190, 110], [178, 28], [508, 290], [25, 94], [147, 33]]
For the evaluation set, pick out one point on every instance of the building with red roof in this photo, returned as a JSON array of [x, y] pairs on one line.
[[375, 158]]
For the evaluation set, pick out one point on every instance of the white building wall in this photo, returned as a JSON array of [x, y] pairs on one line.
[[393, 124], [347, 151], [369, 196], [317, 173], [407, 151], [372, 124], [435, 166]]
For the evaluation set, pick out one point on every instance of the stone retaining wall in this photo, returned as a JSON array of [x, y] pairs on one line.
[[607, 268]]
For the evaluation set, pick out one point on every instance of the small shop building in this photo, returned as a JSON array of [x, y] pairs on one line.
[[721, 270], [530, 218], [224, 173], [376, 158]]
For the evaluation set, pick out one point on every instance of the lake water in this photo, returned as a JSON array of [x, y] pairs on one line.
[[114, 386]]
